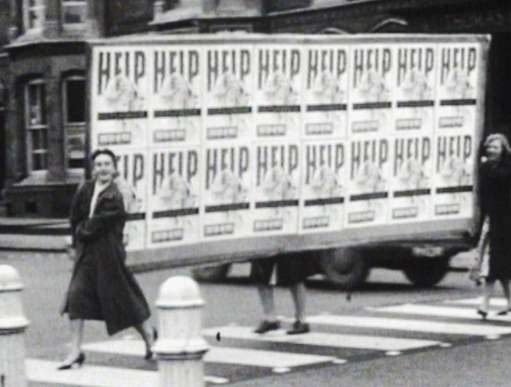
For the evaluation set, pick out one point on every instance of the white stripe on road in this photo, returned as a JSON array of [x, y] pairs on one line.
[[43, 371], [410, 325], [439, 311], [377, 343], [477, 301], [239, 356]]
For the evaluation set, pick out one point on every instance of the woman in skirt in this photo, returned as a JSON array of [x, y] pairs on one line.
[[495, 202], [101, 287]]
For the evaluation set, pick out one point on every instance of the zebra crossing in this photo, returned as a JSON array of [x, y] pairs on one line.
[[236, 353]]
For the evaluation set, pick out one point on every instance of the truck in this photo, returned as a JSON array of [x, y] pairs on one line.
[[359, 149]]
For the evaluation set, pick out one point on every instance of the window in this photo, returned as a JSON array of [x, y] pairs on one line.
[[36, 125], [74, 120], [74, 12], [34, 14]]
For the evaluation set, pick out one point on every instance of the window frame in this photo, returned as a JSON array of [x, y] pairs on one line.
[[73, 26], [39, 7], [75, 125], [31, 129]]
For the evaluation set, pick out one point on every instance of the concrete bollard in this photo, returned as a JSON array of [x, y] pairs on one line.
[[180, 347], [13, 324]]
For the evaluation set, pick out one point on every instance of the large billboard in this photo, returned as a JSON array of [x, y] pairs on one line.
[[288, 136]]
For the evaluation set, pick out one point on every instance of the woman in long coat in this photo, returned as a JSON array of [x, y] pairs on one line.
[[495, 203], [101, 287]]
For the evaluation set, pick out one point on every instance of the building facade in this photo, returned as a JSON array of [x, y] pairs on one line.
[[43, 66]]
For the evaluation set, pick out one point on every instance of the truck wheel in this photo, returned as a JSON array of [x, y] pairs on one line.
[[427, 272], [345, 268], [211, 273]]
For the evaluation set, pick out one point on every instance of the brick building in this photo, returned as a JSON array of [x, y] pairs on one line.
[[43, 77]]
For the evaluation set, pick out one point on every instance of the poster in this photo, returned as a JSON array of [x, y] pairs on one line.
[[278, 87], [324, 182], [277, 188], [371, 90], [177, 96], [454, 175], [132, 181], [174, 194], [415, 88], [122, 99], [369, 182], [412, 179], [326, 92], [458, 93], [228, 80], [227, 181]]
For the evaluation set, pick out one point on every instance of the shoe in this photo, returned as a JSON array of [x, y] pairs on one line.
[[148, 354], [299, 328], [503, 312], [78, 361], [482, 313], [267, 326]]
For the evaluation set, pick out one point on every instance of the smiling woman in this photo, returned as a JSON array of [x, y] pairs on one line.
[[101, 287]]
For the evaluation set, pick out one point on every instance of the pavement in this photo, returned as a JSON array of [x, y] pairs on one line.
[[388, 334]]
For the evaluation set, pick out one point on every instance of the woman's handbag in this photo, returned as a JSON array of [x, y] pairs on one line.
[[480, 268]]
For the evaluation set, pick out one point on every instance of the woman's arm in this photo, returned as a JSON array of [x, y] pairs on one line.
[[76, 215], [108, 214]]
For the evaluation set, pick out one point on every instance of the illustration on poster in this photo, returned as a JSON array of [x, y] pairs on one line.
[[121, 94], [326, 184], [230, 91], [175, 193], [453, 162], [177, 92], [327, 90], [227, 188], [411, 156], [278, 185], [132, 205]]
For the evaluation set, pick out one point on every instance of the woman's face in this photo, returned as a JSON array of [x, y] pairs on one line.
[[104, 169], [494, 150]]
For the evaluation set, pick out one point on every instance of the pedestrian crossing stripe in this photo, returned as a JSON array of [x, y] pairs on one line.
[[439, 311], [408, 325], [498, 301], [319, 339], [43, 371], [237, 356]]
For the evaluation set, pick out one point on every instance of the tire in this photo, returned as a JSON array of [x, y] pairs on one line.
[[211, 273], [427, 272], [345, 268]]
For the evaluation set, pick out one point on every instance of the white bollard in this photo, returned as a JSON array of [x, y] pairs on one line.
[[12, 328], [180, 347]]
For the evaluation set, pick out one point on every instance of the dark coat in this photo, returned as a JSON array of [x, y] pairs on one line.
[[101, 287], [495, 202]]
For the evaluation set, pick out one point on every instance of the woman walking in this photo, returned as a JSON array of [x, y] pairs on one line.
[[101, 287], [495, 202]]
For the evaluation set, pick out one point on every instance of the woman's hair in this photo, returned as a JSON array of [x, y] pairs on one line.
[[107, 152], [506, 148]]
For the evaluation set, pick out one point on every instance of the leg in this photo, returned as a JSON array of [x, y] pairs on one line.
[[261, 274], [76, 344], [298, 294], [267, 301], [146, 334], [505, 288], [487, 294]]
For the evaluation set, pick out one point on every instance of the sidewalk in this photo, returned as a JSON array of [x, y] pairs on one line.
[[34, 234]]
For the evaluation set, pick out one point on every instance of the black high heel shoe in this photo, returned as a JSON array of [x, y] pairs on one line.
[[148, 353], [78, 361], [482, 313]]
